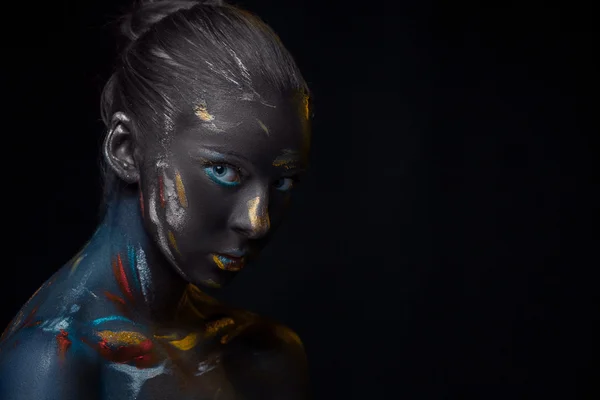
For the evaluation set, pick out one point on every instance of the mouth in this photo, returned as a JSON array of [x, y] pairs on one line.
[[228, 262]]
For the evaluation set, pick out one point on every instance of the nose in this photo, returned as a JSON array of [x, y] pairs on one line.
[[252, 217]]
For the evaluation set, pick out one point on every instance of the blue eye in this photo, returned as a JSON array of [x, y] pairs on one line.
[[223, 174], [284, 184]]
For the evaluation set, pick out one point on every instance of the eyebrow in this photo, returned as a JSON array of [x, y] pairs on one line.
[[288, 157], [217, 153]]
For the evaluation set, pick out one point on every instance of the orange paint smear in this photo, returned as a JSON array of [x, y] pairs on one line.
[[63, 342]]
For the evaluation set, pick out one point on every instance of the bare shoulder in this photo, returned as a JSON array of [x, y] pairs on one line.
[[267, 359], [38, 364]]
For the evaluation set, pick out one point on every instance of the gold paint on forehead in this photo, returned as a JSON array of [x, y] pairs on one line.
[[263, 126], [214, 327], [187, 343], [202, 113], [258, 218], [122, 338], [180, 190]]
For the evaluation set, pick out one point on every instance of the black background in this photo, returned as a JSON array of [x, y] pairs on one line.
[[439, 247]]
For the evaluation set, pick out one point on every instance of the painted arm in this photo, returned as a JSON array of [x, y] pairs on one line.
[[42, 366]]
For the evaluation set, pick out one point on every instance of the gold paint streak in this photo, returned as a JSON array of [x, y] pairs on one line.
[[211, 283], [202, 113], [214, 327], [187, 343], [122, 337], [305, 106], [194, 291], [288, 335], [263, 126], [76, 263], [172, 336], [258, 221], [180, 190], [218, 262], [173, 241], [229, 337]]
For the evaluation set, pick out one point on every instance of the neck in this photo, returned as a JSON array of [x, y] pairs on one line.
[[143, 276]]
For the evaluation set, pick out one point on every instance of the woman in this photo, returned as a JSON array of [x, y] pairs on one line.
[[208, 131]]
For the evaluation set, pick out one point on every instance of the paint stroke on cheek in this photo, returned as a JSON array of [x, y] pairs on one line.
[[175, 213], [263, 126], [162, 239], [259, 220], [172, 241], [180, 190]]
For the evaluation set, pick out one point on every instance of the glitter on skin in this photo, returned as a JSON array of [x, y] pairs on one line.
[[122, 338], [144, 272]]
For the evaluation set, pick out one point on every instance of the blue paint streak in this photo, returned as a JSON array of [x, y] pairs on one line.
[[99, 321]]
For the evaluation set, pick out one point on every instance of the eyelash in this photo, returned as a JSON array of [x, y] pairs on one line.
[[295, 179]]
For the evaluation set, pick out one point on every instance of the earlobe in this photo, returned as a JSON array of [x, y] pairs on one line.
[[118, 149]]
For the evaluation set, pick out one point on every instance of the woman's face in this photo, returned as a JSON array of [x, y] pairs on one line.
[[214, 194]]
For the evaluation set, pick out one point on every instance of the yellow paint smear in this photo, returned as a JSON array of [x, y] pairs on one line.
[[202, 113], [172, 241], [187, 343], [180, 190], [263, 126]]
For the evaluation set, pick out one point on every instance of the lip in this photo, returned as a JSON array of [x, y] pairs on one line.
[[228, 262]]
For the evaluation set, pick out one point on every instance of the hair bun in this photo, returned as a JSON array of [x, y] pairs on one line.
[[145, 13]]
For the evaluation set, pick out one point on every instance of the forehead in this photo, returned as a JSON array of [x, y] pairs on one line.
[[258, 129]]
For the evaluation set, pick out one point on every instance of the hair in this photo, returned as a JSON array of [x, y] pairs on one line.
[[178, 52]]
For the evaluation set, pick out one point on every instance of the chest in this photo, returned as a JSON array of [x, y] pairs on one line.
[[188, 365]]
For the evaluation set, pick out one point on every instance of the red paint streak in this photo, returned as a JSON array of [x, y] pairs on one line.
[[141, 355], [142, 202], [29, 319], [63, 343], [161, 191], [114, 298], [121, 277]]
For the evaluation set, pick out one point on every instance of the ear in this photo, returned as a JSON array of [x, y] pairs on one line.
[[119, 148]]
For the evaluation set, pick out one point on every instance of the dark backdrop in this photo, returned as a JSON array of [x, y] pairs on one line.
[[439, 246]]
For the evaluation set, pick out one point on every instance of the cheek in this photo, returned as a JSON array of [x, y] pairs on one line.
[[164, 201]]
